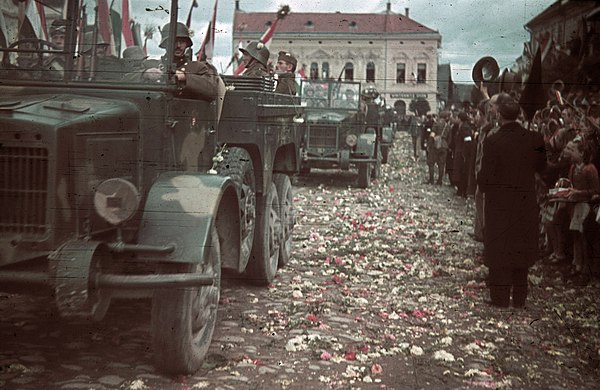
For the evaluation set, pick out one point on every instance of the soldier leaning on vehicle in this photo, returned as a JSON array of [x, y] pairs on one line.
[[286, 68], [198, 79]]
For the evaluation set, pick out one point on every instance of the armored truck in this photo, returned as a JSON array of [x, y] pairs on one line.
[[115, 187], [335, 135]]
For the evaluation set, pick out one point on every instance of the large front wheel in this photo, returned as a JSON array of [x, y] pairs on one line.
[[286, 213], [364, 175], [183, 319], [267, 239]]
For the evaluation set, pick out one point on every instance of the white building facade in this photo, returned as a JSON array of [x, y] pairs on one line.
[[389, 50]]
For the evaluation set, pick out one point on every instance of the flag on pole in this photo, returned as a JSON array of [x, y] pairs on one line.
[[35, 21], [267, 37], [208, 45], [188, 21], [105, 27], [121, 24], [533, 97]]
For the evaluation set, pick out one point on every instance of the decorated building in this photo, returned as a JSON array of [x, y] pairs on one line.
[[390, 50]]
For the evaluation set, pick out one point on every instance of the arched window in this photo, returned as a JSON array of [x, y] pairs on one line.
[[325, 70], [349, 71], [370, 72], [314, 71]]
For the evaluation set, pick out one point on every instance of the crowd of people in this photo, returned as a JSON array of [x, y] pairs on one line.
[[491, 152]]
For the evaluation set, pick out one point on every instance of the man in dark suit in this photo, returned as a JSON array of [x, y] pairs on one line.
[[511, 158]]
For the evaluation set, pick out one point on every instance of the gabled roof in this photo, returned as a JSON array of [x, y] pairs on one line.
[[337, 22]]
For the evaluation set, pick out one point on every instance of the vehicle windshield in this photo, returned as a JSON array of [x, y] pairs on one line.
[[83, 41], [331, 94]]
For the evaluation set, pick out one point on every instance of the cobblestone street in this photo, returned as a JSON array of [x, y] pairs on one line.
[[385, 289]]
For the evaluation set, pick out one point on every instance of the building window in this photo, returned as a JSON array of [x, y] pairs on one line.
[[370, 72], [325, 70], [314, 71], [421, 73], [352, 25], [349, 72], [400, 73], [309, 24]]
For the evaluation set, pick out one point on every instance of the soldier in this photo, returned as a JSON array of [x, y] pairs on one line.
[[286, 68], [58, 29], [134, 57], [198, 79], [256, 57], [55, 63]]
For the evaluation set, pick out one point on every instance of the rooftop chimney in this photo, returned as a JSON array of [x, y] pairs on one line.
[[389, 6], [406, 12], [237, 5]]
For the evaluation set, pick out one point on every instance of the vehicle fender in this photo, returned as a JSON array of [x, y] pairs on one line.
[[365, 144], [387, 135], [182, 207]]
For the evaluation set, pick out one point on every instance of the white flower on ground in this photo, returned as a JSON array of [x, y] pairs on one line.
[[417, 351], [443, 355], [446, 341]]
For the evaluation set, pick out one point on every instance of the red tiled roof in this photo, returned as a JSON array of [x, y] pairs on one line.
[[256, 22]]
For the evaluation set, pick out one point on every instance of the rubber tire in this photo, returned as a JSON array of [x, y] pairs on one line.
[[286, 215], [385, 153], [178, 349], [364, 175], [237, 164], [376, 169], [264, 259]]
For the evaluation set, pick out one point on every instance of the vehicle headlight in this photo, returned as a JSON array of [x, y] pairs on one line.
[[351, 140], [116, 200]]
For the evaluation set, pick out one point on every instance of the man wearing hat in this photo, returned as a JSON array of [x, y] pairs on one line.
[[512, 156], [286, 68], [198, 79], [256, 57], [55, 63]]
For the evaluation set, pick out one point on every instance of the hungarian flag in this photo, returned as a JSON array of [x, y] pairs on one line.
[[105, 27], [208, 45], [121, 24], [533, 97], [34, 23], [267, 37]]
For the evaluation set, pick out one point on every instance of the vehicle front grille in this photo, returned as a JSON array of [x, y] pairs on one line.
[[322, 137], [23, 189]]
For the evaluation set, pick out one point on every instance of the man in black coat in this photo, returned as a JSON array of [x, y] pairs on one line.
[[511, 158]]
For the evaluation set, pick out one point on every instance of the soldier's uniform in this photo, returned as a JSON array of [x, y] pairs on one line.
[[201, 78], [259, 56], [286, 82]]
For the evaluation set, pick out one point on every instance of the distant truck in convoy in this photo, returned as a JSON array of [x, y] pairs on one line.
[[335, 134]]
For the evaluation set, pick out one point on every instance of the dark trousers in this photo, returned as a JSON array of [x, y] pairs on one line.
[[500, 282]]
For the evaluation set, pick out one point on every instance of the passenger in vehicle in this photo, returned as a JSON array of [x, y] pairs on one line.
[[256, 57], [197, 79], [286, 76]]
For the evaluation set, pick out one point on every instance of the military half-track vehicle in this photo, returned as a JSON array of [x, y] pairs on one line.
[[116, 188], [335, 135]]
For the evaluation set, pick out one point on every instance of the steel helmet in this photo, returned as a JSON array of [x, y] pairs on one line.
[[88, 37], [370, 92], [182, 32], [258, 51]]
